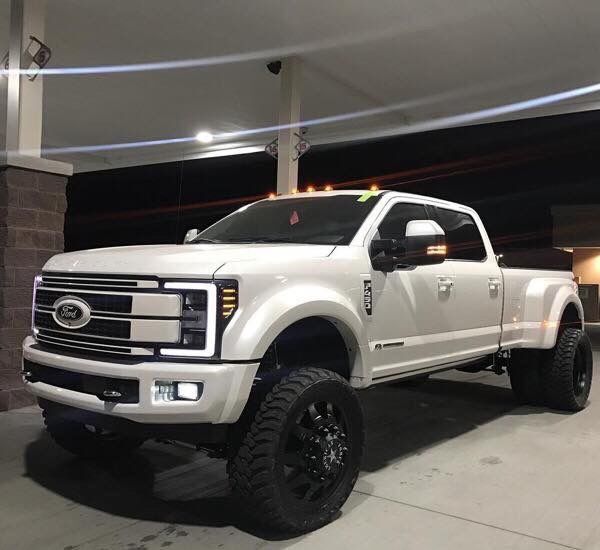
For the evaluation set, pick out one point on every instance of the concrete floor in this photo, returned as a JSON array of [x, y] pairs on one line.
[[451, 465]]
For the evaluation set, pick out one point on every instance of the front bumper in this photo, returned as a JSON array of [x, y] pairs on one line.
[[226, 388]]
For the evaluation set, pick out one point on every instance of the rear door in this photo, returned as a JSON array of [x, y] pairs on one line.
[[477, 291]]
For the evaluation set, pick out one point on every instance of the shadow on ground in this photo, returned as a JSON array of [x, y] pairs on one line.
[[176, 486]]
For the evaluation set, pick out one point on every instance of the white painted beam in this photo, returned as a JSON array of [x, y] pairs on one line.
[[289, 117], [24, 106], [25, 98]]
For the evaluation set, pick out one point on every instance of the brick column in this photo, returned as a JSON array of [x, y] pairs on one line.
[[32, 207]]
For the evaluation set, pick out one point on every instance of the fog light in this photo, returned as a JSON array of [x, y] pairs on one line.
[[164, 391], [177, 391], [188, 390]]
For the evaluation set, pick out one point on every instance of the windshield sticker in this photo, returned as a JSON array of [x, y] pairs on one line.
[[294, 218], [366, 196]]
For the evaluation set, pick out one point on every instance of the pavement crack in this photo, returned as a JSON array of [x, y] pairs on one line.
[[482, 523]]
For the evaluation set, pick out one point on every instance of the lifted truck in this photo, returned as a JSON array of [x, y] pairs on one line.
[[251, 339]]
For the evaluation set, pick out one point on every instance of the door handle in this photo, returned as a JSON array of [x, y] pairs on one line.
[[445, 284], [494, 285]]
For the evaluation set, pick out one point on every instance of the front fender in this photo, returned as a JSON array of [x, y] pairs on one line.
[[257, 327]]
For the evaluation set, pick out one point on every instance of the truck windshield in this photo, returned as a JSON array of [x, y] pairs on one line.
[[303, 220]]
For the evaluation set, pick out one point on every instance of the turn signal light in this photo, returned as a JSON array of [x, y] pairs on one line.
[[436, 249], [229, 302]]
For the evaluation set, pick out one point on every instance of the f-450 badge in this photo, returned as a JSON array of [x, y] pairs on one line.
[[368, 297]]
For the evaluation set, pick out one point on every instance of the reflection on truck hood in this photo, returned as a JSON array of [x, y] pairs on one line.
[[192, 260]]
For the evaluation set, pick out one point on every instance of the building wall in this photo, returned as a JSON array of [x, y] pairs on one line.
[[586, 265]]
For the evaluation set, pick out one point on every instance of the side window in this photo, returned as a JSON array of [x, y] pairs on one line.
[[463, 239], [393, 225]]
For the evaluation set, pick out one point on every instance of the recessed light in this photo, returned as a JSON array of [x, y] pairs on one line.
[[204, 137]]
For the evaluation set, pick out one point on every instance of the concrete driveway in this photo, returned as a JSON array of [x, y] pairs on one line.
[[454, 464]]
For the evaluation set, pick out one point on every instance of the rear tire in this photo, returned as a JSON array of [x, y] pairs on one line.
[[567, 371], [525, 376], [300, 458], [88, 441]]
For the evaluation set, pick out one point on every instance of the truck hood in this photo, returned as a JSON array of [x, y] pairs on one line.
[[191, 260]]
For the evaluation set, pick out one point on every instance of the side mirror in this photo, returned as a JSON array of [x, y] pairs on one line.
[[424, 244], [384, 254], [190, 235]]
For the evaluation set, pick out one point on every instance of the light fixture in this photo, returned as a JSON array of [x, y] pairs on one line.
[[204, 137], [374, 187], [310, 189], [272, 195], [168, 391], [328, 188], [198, 326]]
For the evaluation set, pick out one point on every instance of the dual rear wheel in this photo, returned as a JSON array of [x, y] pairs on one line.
[[560, 378]]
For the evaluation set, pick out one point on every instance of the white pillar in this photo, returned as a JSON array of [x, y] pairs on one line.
[[289, 115], [25, 98]]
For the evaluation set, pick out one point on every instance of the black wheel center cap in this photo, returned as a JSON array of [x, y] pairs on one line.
[[325, 452]]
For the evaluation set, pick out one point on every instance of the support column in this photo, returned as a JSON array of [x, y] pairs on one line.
[[32, 203], [24, 109], [289, 115]]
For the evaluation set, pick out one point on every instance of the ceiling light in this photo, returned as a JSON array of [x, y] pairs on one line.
[[204, 137]]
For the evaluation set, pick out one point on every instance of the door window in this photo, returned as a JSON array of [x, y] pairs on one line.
[[393, 225], [463, 239]]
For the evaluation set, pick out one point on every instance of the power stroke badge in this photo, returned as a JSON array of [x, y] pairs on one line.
[[368, 297]]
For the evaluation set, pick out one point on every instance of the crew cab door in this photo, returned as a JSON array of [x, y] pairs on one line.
[[412, 315], [477, 290]]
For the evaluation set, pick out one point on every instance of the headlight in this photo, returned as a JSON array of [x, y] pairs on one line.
[[199, 320], [206, 310]]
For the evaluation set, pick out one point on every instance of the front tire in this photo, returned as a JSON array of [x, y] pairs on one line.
[[88, 441], [567, 372], [300, 458]]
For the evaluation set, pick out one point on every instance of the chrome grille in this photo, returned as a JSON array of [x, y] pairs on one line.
[[105, 328], [106, 303], [84, 281], [128, 317]]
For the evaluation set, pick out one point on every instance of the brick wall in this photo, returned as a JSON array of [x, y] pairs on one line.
[[32, 207]]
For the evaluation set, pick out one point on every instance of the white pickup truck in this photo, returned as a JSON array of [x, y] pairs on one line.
[[251, 339]]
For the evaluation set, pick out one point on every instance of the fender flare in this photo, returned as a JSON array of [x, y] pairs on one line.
[[286, 307], [551, 324]]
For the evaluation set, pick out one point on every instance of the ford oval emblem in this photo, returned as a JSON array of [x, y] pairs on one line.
[[71, 312]]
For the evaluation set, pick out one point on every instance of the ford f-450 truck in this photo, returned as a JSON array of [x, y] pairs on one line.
[[251, 339]]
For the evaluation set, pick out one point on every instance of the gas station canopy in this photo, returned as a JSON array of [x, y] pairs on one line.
[[148, 70]]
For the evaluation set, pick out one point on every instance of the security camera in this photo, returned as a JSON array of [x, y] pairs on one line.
[[274, 67]]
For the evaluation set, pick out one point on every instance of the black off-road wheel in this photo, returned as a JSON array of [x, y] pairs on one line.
[[88, 441], [526, 377], [567, 371], [300, 458]]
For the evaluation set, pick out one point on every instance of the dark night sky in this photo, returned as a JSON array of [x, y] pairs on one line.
[[511, 173]]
